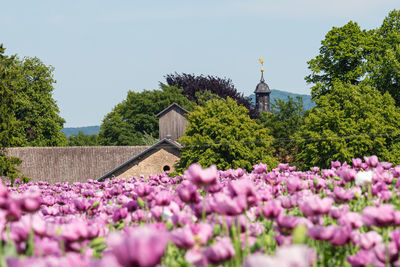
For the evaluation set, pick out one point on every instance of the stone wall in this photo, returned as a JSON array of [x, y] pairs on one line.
[[151, 163]]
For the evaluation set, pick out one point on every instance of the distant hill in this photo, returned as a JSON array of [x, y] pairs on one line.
[[278, 94], [89, 130]]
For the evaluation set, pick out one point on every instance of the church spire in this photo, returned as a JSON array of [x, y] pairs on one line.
[[262, 92]]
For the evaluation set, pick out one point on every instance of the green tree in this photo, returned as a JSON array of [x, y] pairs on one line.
[[35, 109], [127, 123], [341, 58], [383, 64], [82, 139], [8, 121], [284, 120], [351, 121], [352, 55], [222, 133]]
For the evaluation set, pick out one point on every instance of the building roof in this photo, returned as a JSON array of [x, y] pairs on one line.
[[163, 141], [262, 87], [71, 164], [167, 109]]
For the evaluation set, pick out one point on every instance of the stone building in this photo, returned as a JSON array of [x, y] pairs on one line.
[[78, 164]]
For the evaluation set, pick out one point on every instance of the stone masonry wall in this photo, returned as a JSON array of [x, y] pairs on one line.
[[152, 164]]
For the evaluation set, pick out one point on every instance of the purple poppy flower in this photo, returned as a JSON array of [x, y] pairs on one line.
[[324, 233], [395, 237], [341, 236], [224, 204], [362, 258], [30, 201], [74, 231], [295, 255], [46, 247], [48, 200], [82, 204], [379, 216], [338, 211], [163, 198], [272, 209], [217, 187], [196, 258], [328, 173], [287, 202], [106, 261], [356, 163], [283, 240], [351, 219], [346, 173], [372, 161], [335, 164], [15, 262], [120, 214], [287, 223], [378, 187], [396, 171], [245, 188], [188, 192], [203, 231], [143, 190], [198, 208], [386, 252], [201, 177], [142, 247], [385, 195], [38, 225], [220, 252], [313, 205], [368, 240], [183, 237], [342, 194], [259, 168], [20, 230], [131, 205], [14, 211], [258, 259], [293, 184], [3, 190]]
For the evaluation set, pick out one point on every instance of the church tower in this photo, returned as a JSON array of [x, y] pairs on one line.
[[262, 93]]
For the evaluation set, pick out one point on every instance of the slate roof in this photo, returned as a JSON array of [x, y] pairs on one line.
[[262, 87], [171, 107], [71, 164]]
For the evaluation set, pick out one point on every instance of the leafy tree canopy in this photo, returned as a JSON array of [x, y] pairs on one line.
[[383, 63], [37, 113], [351, 121], [128, 122], [222, 133], [8, 121], [341, 58], [352, 55], [223, 88], [284, 120], [82, 139]]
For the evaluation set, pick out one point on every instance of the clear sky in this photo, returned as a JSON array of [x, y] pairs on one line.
[[101, 49]]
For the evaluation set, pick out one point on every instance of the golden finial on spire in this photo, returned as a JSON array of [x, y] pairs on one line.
[[262, 64]]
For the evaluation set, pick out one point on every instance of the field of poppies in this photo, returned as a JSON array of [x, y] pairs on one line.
[[346, 215]]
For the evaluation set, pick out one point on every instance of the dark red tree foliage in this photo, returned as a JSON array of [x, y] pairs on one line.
[[220, 86]]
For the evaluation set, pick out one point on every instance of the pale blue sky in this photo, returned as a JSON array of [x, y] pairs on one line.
[[102, 49]]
